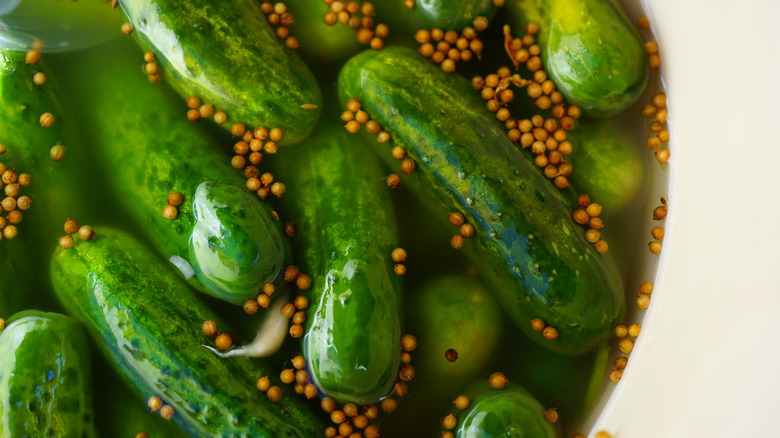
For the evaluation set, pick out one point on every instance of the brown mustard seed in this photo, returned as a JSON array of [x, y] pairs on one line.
[[154, 403], [451, 355], [408, 342], [550, 333], [290, 229], [223, 341], [170, 212], [497, 380], [175, 199], [274, 393], [659, 213], [209, 328], [406, 372], [71, 226], [86, 233]]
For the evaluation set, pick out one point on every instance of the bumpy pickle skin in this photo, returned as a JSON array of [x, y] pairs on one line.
[[526, 245], [454, 14], [590, 49], [343, 211], [45, 387], [56, 189], [221, 231], [227, 54], [147, 323]]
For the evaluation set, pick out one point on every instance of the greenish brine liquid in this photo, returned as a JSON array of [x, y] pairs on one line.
[[576, 386]]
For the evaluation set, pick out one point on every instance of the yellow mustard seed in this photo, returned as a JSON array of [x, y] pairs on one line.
[[32, 57], [206, 110], [551, 415], [57, 152], [287, 376], [497, 380], [643, 301], [263, 300], [615, 375], [299, 317], [170, 212], [223, 341], [23, 202], [626, 345], [46, 119], [154, 403], [461, 402], [659, 213], [126, 28], [39, 78], [220, 117], [66, 242], [345, 429], [193, 115], [657, 233], [646, 287], [620, 363], [457, 241], [328, 404], [550, 333], [655, 247], [449, 422], [662, 155], [209, 328], [400, 389], [263, 384], [310, 391], [303, 282], [175, 199], [408, 342], [621, 330], [301, 302], [274, 393], [406, 372], [467, 230], [407, 165], [251, 306], [393, 181], [86, 233], [389, 405], [399, 255], [141, 434], [603, 434], [634, 330], [167, 412]]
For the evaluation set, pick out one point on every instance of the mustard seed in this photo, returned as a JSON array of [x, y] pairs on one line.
[[457, 241], [497, 380], [625, 345], [550, 333], [126, 28], [646, 288], [170, 212], [551, 415], [620, 363], [56, 153], [66, 242], [223, 341], [388, 405], [263, 300], [86, 233], [263, 384], [46, 120], [643, 301], [32, 57], [154, 403], [634, 330], [449, 422], [615, 375], [655, 247], [461, 402], [209, 328], [39, 78], [274, 393]]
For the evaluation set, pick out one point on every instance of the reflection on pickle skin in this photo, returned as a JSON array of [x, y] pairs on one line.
[[234, 245]]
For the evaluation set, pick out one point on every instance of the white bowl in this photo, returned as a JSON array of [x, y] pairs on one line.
[[704, 365]]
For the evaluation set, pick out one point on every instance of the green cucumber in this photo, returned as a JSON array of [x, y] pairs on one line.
[[222, 231], [454, 14], [57, 188], [458, 313], [147, 322], [609, 164], [320, 42], [527, 247], [590, 49], [340, 202], [227, 54], [511, 411], [44, 377]]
